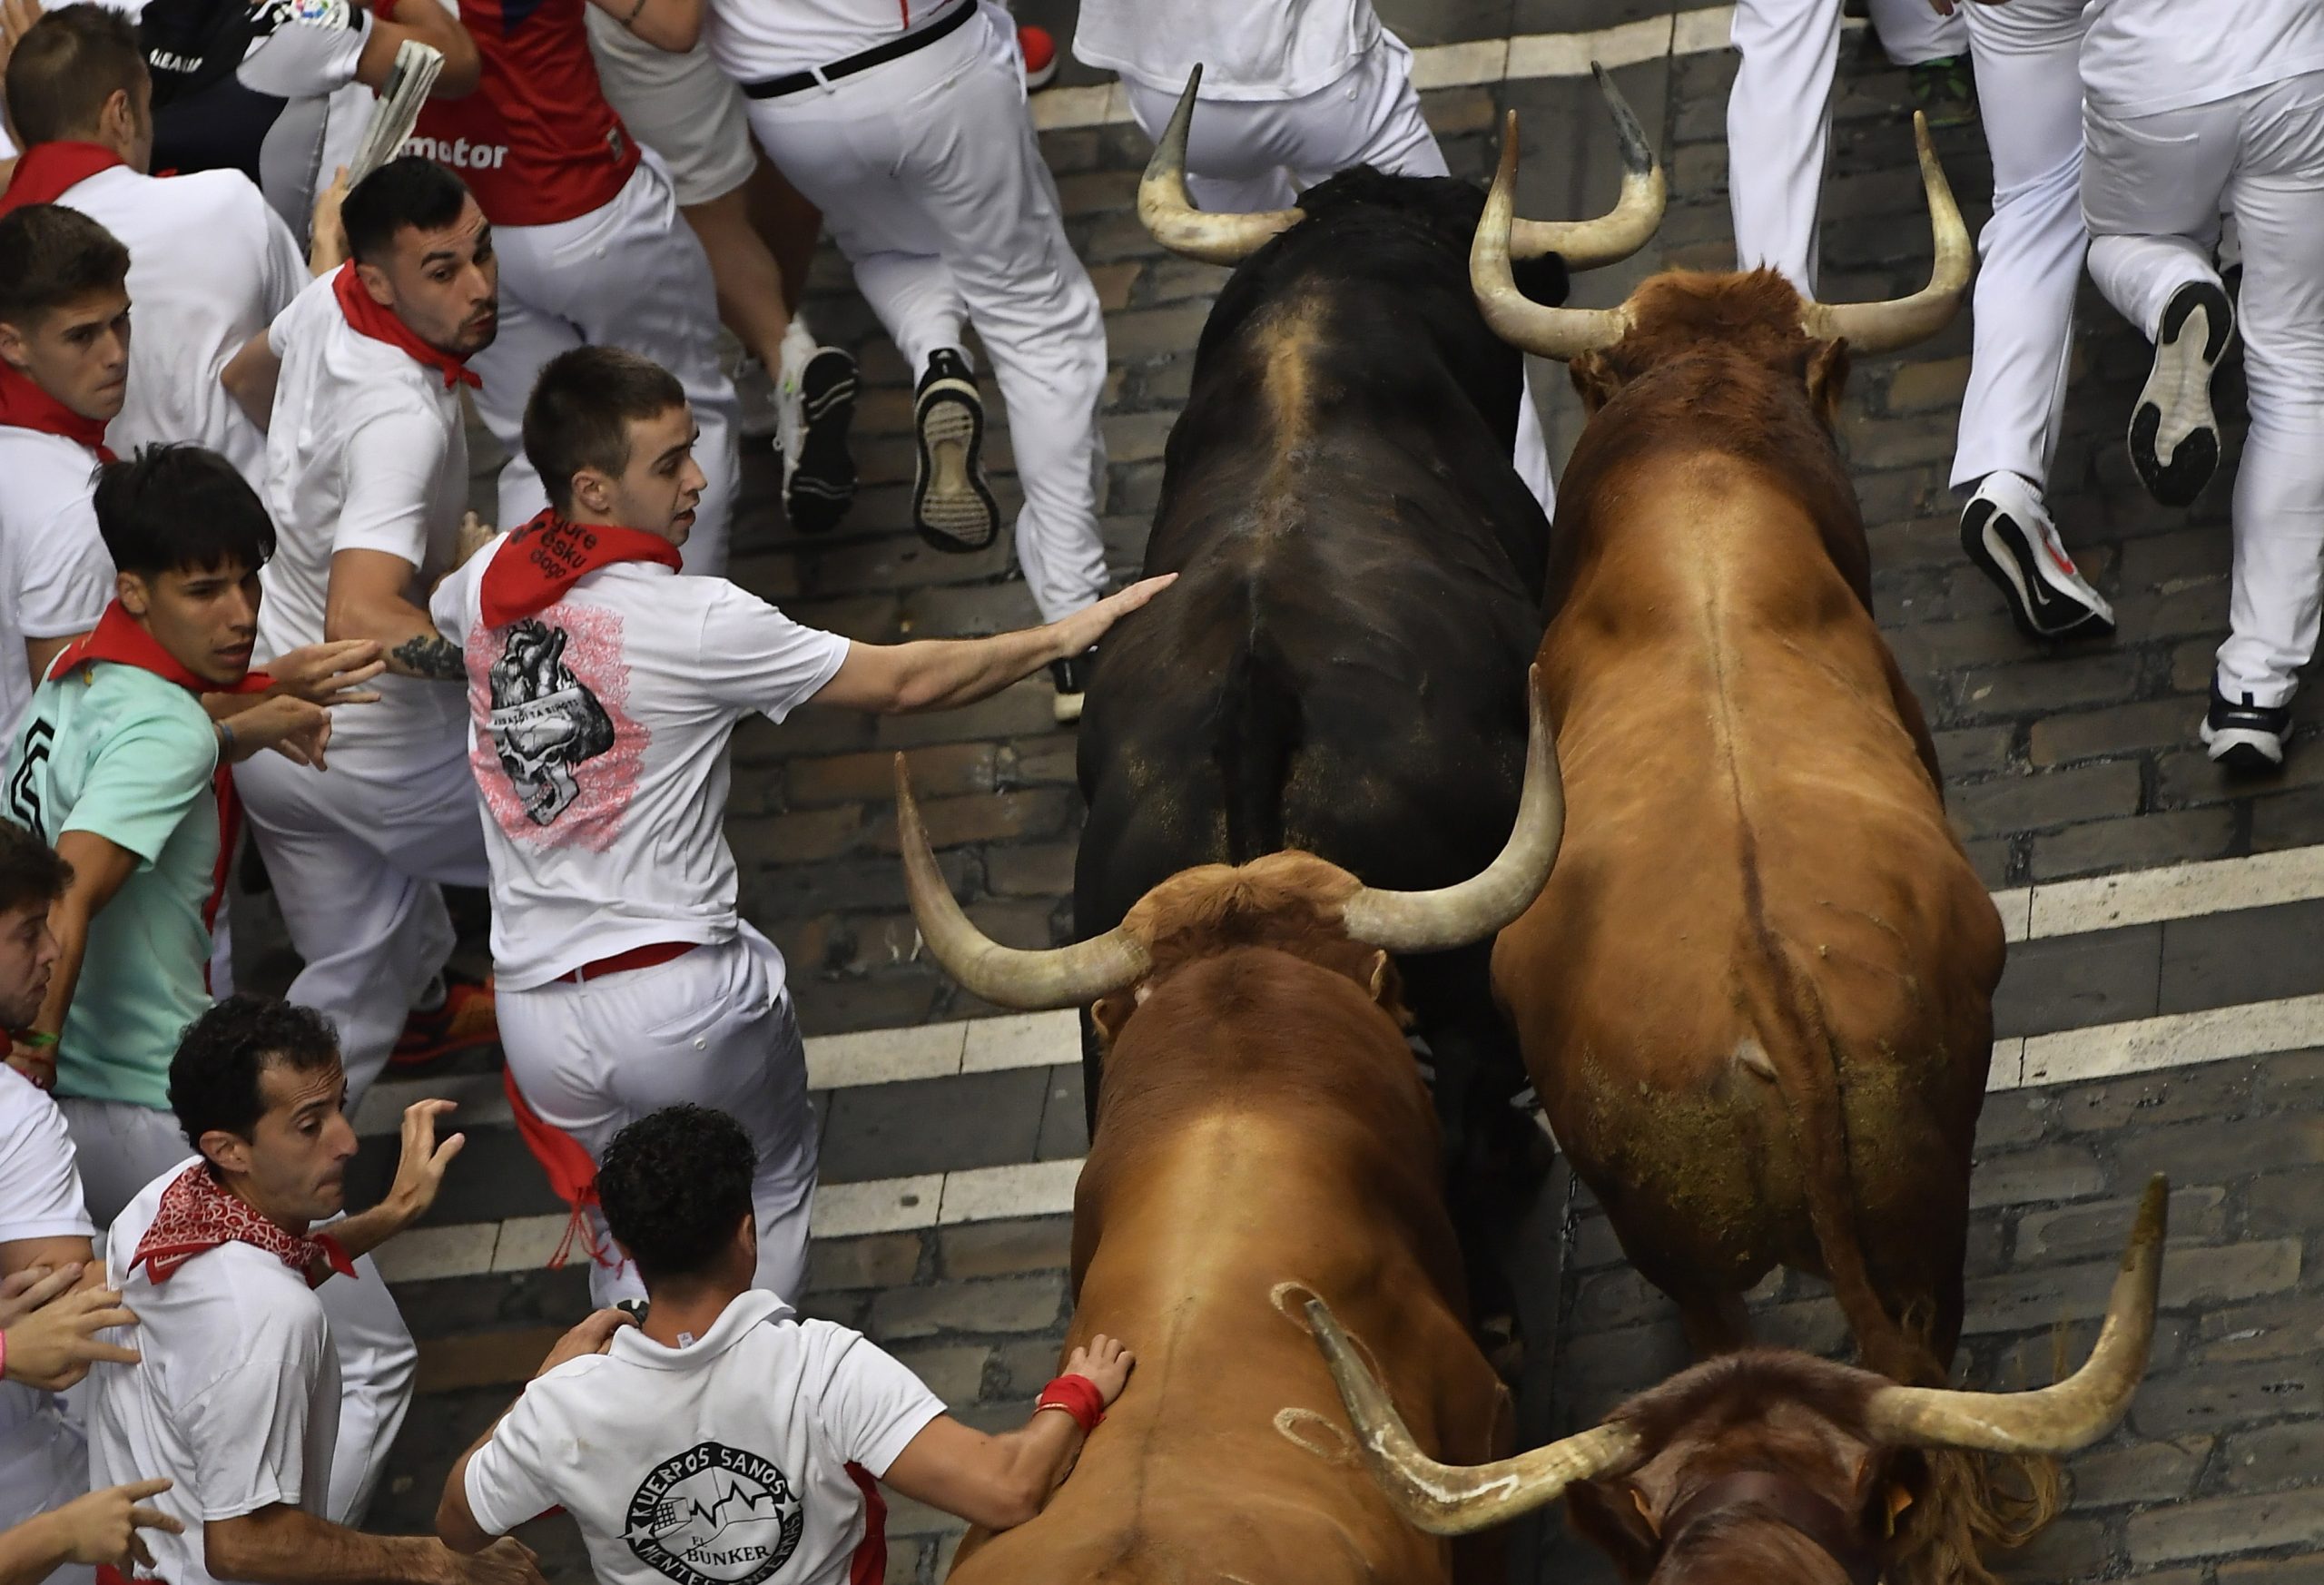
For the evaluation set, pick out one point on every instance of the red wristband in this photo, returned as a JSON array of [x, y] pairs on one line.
[[1078, 1396]]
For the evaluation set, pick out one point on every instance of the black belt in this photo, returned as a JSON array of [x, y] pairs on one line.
[[878, 56]]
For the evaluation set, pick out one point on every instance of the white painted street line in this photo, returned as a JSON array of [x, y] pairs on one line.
[[2073, 908], [1472, 64]]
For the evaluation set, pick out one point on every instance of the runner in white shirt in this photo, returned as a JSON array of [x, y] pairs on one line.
[[603, 691], [63, 371], [723, 1438], [906, 126], [1291, 93], [367, 478], [2187, 115], [237, 1397], [210, 264]]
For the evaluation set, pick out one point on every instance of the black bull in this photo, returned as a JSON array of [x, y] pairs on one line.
[[1341, 666]]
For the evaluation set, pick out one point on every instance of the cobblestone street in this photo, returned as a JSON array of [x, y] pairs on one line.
[[2161, 1024]]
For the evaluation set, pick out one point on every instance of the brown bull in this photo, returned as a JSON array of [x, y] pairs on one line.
[[1764, 1464], [1756, 997], [1263, 1138]]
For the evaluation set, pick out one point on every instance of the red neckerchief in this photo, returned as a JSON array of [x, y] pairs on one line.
[[381, 324], [44, 171], [117, 638], [24, 405], [545, 558], [197, 1215]]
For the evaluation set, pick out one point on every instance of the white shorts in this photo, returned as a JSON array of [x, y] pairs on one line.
[[680, 106]]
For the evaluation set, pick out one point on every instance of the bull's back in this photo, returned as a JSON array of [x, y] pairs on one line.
[[1758, 893]]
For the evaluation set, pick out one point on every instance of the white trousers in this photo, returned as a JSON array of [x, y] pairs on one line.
[[2026, 56], [2152, 190], [1258, 154], [932, 185], [712, 1028], [1780, 115], [630, 273], [356, 854], [122, 1147]]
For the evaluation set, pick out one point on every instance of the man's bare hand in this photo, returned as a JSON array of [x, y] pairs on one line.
[[326, 242], [1104, 1361], [17, 19], [593, 1335], [36, 1063], [474, 535], [297, 729], [505, 1561], [329, 673], [420, 1174], [1084, 628], [27, 1290], [54, 1347], [100, 1529]]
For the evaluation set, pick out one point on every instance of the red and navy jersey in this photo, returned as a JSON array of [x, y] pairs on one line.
[[536, 142]]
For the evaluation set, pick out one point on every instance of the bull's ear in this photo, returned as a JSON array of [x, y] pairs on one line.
[[1594, 380], [1614, 1517], [1109, 1013], [1827, 380], [1888, 1484], [1382, 981]]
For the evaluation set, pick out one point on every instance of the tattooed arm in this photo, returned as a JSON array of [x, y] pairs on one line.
[[372, 596]]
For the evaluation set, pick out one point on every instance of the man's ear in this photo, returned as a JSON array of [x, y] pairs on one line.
[[15, 348], [226, 1152], [131, 589], [592, 489], [375, 281]]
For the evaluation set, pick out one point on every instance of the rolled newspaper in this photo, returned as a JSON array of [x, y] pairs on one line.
[[409, 79]]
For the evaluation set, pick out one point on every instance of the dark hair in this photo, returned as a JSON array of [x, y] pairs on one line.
[[51, 255], [673, 1186], [179, 508], [580, 411], [214, 1077], [408, 191], [65, 67], [30, 870]]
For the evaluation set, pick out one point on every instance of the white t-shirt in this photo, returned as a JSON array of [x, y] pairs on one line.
[[209, 266], [1283, 50], [365, 452], [754, 39], [236, 1400], [2143, 57], [720, 1463], [42, 1458], [55, 578], [599, 737]]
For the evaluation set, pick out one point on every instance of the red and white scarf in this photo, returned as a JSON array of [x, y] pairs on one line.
[[545, 558], [45, 171], [197, 1215], [118, 639], [380, 323]]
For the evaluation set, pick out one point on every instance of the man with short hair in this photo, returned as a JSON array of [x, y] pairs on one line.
[[651, 1434], [63, 372], [238, 1395], [603, 692], [366, 481], [210, 264], [119, 766]]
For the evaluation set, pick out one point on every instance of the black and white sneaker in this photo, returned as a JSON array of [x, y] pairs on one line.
[[817, 404], [1071, 677], [952, 504], [2008, 533], [2175, 437], [2246, 736]]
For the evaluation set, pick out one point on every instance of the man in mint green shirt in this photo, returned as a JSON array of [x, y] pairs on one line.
[[117, 765]]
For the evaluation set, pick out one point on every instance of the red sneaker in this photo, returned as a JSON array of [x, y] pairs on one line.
[[465, 1022], [1040, 51]]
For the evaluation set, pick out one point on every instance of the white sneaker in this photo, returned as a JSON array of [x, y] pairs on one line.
[[2007, 533], [2174, 435], [814, 402]]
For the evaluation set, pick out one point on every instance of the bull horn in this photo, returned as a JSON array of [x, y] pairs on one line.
[[2068, 1414], [1884, 326], [1516, 319], [1006, 976], [1472, 909], [1169, 215], [1454, 1499], [1621, 230]]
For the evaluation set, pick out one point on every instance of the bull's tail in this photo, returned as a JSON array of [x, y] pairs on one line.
[[1973, 1499], [1258, 727]]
